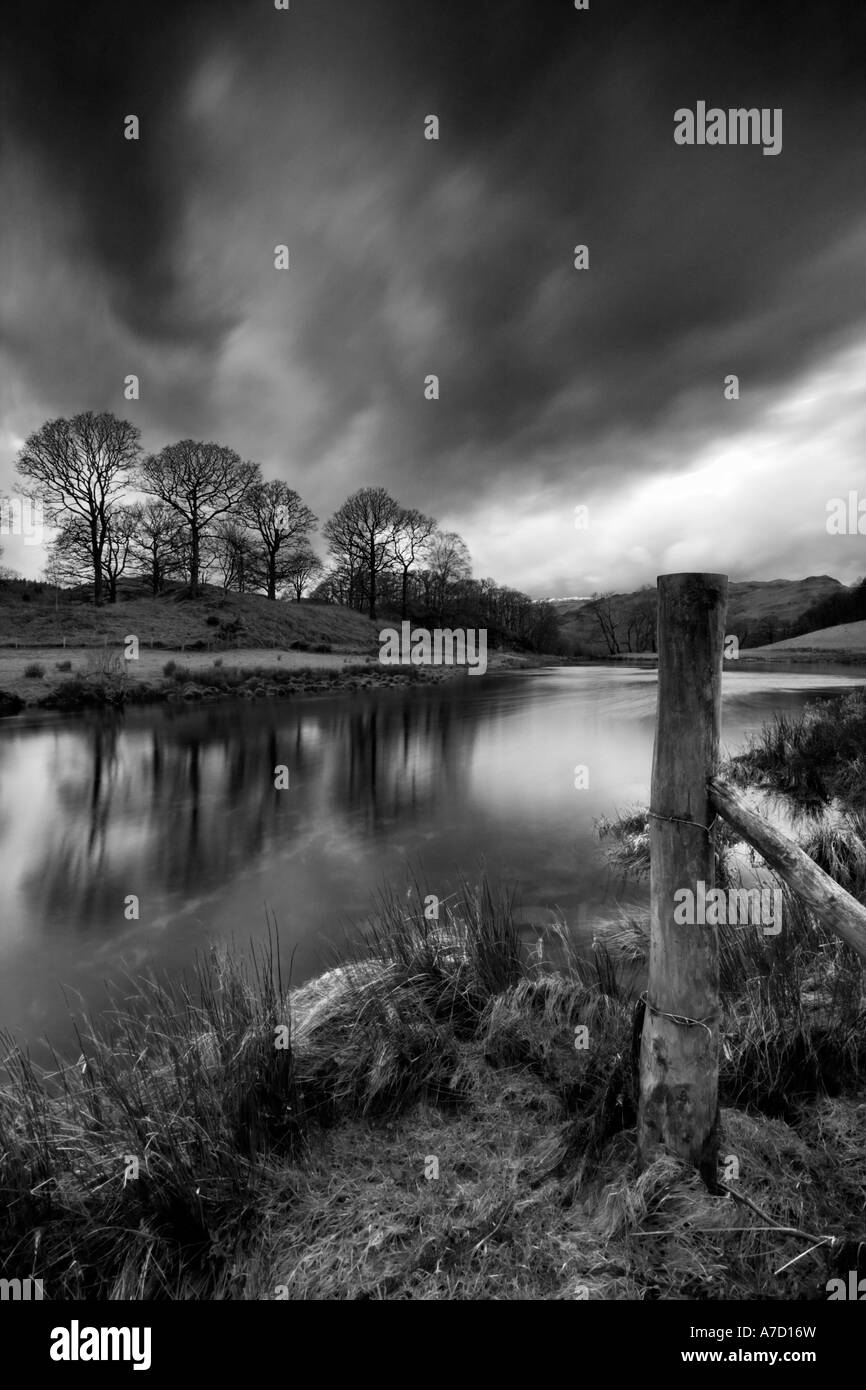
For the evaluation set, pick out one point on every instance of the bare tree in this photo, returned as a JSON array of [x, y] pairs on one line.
[[449, 563], [641, 628], [282, 521], [70, 551], [78, 469], [122, 526], [412, 536], [603, 611], [53, 575], [202, 482], [302, 566], [157, 546], [361, 533], [238, 558]]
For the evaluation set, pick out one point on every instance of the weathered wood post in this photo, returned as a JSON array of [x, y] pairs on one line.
[[679, 1065]]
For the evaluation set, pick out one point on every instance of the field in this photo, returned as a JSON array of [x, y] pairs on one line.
[[215, 619], [846, 639], [148, 670]]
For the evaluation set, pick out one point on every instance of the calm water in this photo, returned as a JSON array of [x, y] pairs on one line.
[[178, 806]]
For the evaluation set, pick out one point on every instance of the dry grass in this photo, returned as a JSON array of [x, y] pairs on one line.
[[435, 1047], [847, 638], [176, 622], [369, 1220]]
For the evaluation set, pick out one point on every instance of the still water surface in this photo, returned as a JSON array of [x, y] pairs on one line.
[[177, 805]]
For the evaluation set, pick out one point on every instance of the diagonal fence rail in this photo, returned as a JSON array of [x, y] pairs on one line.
[[829, 901]]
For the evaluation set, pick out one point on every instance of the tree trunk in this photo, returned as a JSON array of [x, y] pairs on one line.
[[194, 560], [679, 1066], [96, 556]]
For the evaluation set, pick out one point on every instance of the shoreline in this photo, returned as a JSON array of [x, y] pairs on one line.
[[96, 678]]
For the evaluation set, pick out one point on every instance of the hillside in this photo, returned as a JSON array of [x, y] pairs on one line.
[[758, 610], [776, 600], [214, 621], [849, 638], [564, 606]]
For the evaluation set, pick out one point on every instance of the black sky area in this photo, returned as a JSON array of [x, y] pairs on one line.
[[454, 257]]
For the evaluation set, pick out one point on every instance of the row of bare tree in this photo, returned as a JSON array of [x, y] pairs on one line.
[[386, 555], [627, 623], [195, 508], [204, 506]]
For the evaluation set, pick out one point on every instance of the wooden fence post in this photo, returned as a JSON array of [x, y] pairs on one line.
[[679, 1066]]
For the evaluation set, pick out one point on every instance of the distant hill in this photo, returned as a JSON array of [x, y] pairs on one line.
[[759, 612], [564, 606], [776, 603], [570, 601]]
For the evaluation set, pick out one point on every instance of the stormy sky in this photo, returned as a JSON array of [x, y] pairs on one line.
[[602, 387]]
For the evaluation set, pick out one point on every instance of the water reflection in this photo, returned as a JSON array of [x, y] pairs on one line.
[[178, 806]]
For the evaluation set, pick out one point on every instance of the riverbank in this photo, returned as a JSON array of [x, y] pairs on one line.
[[58, 651], [435, 1119], [74, 678]]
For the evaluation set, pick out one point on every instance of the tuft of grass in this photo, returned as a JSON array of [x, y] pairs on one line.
[[33, 670], [816, 757], [184, 1081]]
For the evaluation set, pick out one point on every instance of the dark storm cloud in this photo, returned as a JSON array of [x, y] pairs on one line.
[[71, 73], [411, 257], [692, 250]]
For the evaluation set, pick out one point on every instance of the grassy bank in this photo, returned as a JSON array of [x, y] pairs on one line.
[[434, 1127], [32, 615], [107, 683], [87, 681]]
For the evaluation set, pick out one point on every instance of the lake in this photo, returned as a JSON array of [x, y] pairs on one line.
[[176, 805]]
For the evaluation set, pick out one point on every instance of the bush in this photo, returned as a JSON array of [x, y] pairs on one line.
[[323, 647], [63, 665], [212, 620], [74, 694], [34, 670], [10, 704], [169, 668]]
